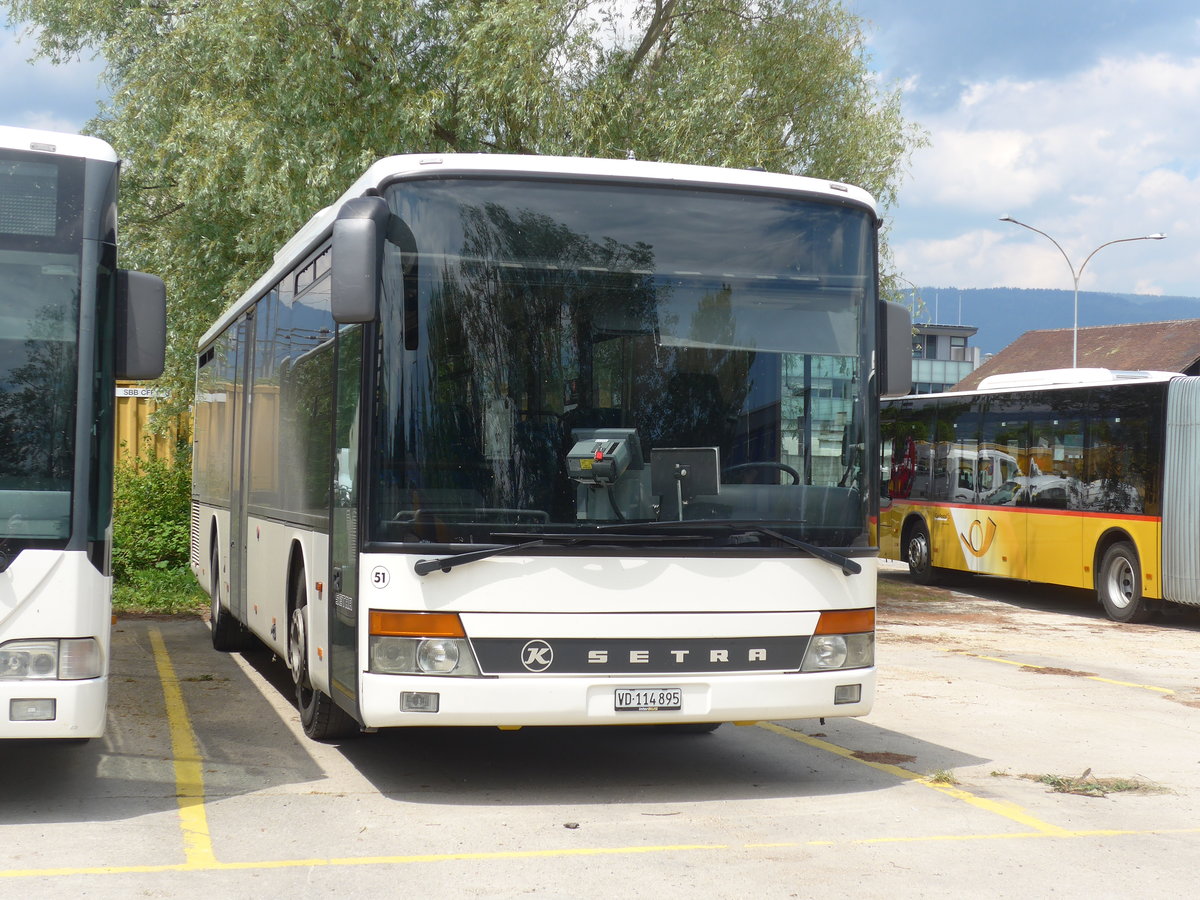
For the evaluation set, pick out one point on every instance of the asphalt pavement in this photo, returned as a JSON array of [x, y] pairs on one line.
[[992, 695]]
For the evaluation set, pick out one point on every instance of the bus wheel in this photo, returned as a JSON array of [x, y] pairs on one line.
[[1120, 584], [321, 718], [228, 635], [918, 553]]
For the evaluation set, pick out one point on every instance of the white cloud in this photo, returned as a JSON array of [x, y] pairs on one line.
[[39, 94], [976, 170], [1106, 152]]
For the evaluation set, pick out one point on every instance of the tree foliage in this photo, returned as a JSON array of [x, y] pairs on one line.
[[239, 118]]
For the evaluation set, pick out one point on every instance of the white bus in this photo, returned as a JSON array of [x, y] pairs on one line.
[[70, 323], [515, 441]]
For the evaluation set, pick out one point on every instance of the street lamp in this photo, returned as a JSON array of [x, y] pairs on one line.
[[916, 293], [1077, 273]]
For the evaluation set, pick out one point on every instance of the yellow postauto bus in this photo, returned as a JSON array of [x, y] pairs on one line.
[[1079, 477]]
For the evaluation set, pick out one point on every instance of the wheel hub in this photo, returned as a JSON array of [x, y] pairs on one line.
[[297, 644]]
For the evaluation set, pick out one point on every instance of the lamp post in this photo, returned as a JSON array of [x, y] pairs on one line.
[[916, 293], [1077, 273]]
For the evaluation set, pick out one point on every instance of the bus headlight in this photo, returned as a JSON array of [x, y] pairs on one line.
[[839, 651], [45, 660], [438, 656], [32, 660], [391, 655], [844, 639], [404, 643]]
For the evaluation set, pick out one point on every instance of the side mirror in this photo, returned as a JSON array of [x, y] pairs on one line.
[[361, 227], [141, 326], [358, 234], [895, 372]]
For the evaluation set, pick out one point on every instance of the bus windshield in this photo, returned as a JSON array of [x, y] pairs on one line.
[[570, 357], [40, 220]]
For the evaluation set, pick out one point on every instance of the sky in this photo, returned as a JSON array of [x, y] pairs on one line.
[[1077, 117]]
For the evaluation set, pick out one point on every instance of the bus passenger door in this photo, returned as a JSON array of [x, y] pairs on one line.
[[239, 480], [344, 524]]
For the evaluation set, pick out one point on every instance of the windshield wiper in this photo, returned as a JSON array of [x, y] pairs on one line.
[[446, 563], [845, 563]]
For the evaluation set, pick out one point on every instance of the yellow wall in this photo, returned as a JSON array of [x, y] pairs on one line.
[[133, 435]]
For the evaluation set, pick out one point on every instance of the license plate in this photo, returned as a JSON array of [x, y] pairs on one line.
[[648, 699]]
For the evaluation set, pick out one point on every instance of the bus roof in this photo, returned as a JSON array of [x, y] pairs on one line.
[[415, 165], [56, 142], [1051, 379], [1067, 377]]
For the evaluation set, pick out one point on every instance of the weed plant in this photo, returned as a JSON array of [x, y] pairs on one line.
[[151, 504]]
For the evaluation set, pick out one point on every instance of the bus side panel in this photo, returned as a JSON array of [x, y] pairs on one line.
[[1049, 547], [965, 539], [210, 521], [1056, 550], [267, 546], [944, 537], [1146, 534], [979, 539], [268, 555], [1065, 547], [885, 531]]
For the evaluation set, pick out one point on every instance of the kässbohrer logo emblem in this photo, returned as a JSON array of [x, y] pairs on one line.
[[536, 656]]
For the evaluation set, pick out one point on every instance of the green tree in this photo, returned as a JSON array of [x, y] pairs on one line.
[[239, 118]]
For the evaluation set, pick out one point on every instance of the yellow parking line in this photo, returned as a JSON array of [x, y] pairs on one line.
[[428, 858], [1013, 662], [1001, 836], [189, 766], [214, 865], [1010, 811]]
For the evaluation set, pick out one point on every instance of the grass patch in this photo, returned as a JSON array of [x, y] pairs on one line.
[[1088, 785], [942, 776], [160, 592]]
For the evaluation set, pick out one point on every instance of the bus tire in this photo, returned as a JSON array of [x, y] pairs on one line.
[[320, 717], [228, 634], [1119, 585], [918, 553]]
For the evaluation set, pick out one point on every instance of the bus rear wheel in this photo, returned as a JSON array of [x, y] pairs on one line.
[[918, 553], [1119, 584], [320, 717]]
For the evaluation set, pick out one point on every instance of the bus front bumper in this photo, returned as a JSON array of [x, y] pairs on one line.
[[516, 701], [52, 709]]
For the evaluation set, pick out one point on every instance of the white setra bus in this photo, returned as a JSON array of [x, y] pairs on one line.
[[516, 441], [70, 322]]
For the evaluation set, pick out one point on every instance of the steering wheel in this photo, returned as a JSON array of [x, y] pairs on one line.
[[782, 467]]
